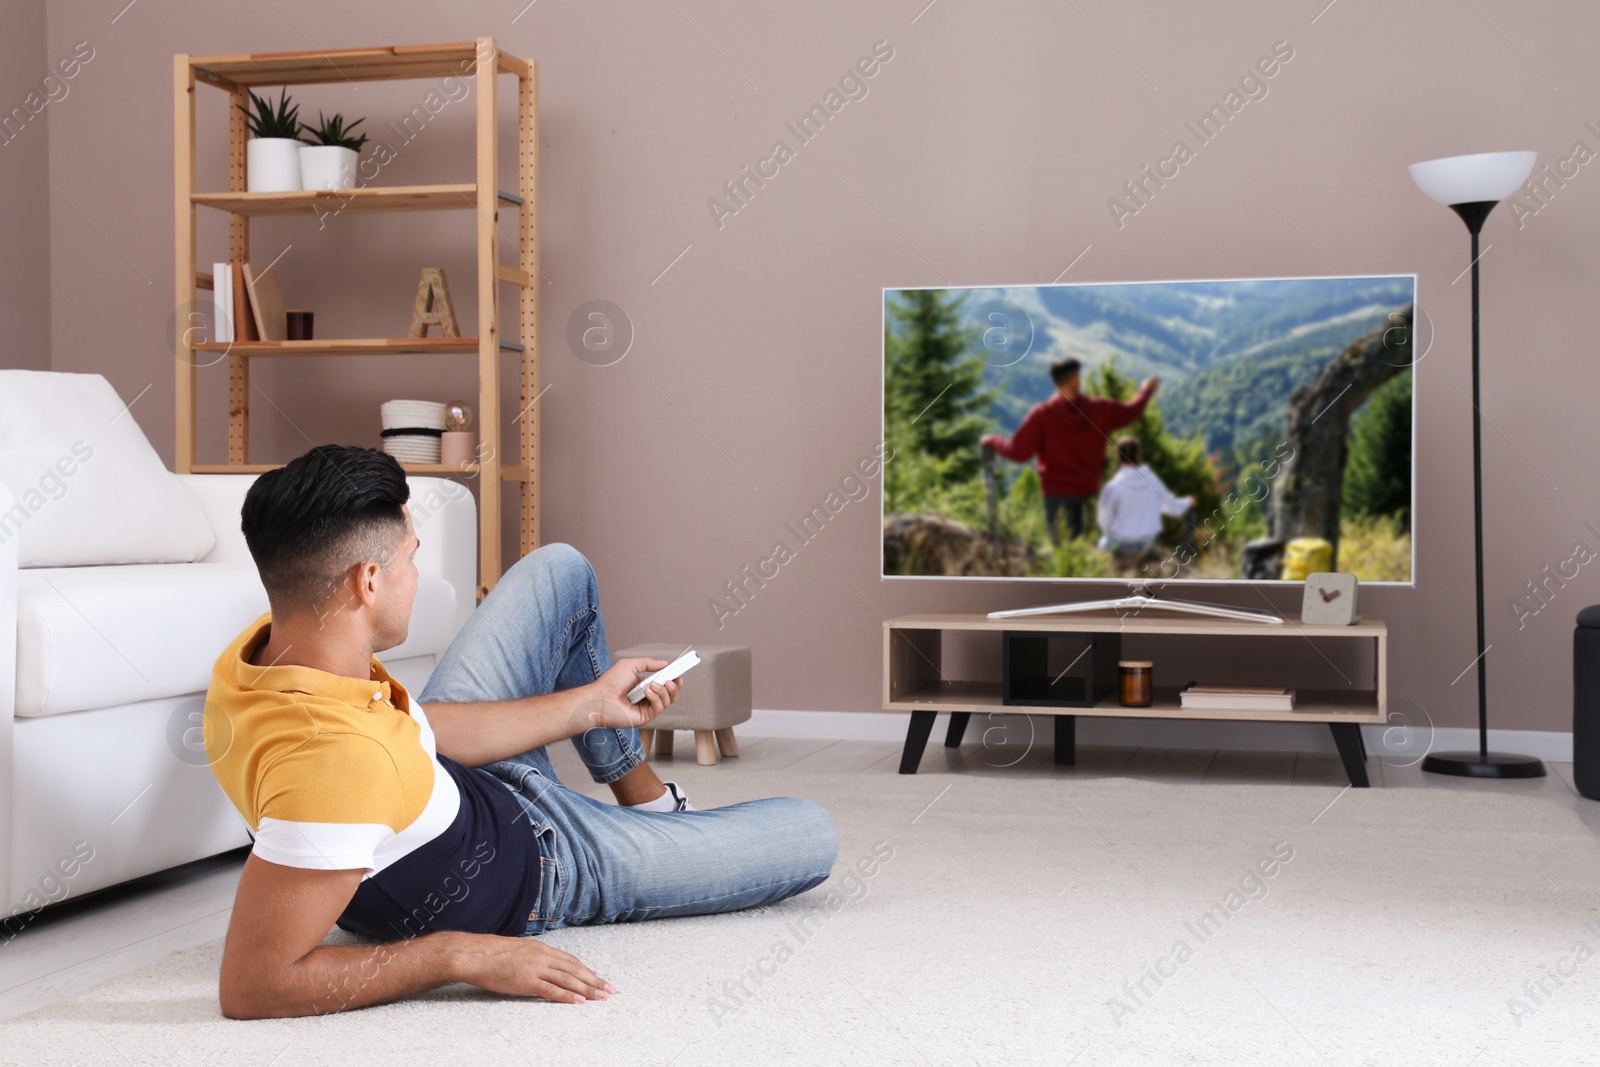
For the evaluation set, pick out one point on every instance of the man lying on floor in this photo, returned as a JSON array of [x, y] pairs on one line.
[[444, 834]]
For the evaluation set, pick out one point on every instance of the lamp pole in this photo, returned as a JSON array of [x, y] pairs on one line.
[[1477, 507], [1483, 763]]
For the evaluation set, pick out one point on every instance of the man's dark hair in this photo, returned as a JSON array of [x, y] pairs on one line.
[[308, 523], [1062, 369], [1129, 451]]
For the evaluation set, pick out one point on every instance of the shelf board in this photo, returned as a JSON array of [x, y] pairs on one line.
[[956, 696], [337, 201], [507, 474], [348, 346], [342, 64], [1311, 705], [262, 468]]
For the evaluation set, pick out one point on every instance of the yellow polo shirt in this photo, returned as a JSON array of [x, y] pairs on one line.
[[331, 773]]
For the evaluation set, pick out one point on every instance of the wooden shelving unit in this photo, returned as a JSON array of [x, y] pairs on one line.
[[480, 60], [914, 681]]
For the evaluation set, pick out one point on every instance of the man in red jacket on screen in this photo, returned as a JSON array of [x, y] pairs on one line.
[[1069, 434]]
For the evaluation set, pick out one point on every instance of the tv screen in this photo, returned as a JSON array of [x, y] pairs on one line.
[[1227, 430]]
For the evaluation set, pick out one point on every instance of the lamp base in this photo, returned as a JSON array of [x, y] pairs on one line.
[[1473, 765]]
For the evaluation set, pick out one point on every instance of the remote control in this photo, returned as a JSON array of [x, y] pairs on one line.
[[666, 674]]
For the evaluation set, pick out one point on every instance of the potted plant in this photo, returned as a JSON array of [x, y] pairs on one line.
[[328, 159], [272, 155]]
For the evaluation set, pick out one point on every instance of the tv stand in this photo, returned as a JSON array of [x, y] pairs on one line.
[[1142, 598], [914, 681]]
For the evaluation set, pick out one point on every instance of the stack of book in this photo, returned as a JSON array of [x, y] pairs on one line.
[[249, 304], [1236, 698]]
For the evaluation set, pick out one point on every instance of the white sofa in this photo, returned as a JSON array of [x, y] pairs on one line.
[[103, 670]]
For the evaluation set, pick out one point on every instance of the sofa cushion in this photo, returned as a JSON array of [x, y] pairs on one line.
[[88, 487], [94, 637]]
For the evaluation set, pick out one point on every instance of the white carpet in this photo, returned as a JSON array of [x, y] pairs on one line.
[[1012, 925]]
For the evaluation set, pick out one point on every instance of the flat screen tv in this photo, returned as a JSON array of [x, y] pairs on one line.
[[1210, 431]]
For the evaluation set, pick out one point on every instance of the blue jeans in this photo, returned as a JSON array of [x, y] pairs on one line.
[[1130, 547], [539, 631], [1071, 507]]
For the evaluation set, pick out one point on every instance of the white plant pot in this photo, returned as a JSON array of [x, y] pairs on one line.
[[325, 166], [272, 164]]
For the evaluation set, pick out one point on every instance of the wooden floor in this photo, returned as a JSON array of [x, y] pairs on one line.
[[81, 943]]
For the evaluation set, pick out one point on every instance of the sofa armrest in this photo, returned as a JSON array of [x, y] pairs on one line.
[[8, 692], [442, 512]]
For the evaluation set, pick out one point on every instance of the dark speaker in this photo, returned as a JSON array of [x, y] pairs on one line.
[[1586, 703]]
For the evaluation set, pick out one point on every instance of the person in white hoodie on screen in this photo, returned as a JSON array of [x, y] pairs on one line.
[[1132, 503]]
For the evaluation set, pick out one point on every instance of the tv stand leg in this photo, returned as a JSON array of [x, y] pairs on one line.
[[916, 740], [1347, 735], [1066, 740], [958, 728]]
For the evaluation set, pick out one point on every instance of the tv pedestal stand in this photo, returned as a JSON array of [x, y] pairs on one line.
[[914, 681]]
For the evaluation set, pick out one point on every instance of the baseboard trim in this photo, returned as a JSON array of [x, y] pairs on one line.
[[1397, 742]]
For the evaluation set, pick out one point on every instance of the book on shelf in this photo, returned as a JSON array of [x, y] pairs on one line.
[[266, 302], [222, 299], [1237, 698], [244, 323]]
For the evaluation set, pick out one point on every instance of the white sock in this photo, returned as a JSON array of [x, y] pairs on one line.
[[672, 799]]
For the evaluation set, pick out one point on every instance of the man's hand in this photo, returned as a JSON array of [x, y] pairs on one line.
[[478, 733], [1150, 384], [609, 704], [525, 967]]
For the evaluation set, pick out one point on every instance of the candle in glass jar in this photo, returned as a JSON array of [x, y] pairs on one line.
[[1137, 682]]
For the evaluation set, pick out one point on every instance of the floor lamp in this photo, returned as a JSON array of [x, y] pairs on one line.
[[1471, 186]]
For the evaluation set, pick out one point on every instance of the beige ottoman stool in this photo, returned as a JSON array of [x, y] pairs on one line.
[[714, 699]]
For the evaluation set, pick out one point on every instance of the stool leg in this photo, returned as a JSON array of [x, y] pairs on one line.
[[726, 743], [705, 748], [663, 742], [645, 738]]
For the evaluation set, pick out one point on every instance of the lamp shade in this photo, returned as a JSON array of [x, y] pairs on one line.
[[1480, 178]]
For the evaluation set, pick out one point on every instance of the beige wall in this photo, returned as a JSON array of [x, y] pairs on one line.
[[25, 198], [984, 152]]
